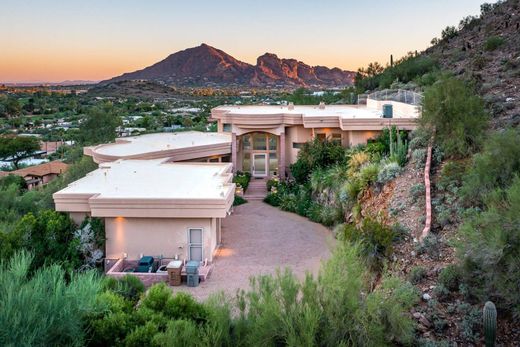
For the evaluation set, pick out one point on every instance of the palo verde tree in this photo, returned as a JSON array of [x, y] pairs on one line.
[[457, 114], [17, 148]]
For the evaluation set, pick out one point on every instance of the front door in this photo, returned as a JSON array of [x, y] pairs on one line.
[[259, 164]]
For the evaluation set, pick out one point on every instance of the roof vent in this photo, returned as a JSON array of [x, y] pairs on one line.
[[291, 106], [322, 105]]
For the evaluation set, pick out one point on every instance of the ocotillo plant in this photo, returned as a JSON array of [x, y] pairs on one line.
[[489, 317]]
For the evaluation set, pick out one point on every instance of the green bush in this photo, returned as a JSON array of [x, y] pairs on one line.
[[43, 308], [495, 167], [419, 157], [388, 172], [417, 274], [375, 238], [489, 247], [242, 179], [130, 287], [457, 114], [450, 277], [368, 174], [416, 191], [238, 200], [493, 43]]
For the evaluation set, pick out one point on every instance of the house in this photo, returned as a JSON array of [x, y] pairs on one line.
[[265, 139], [39, 175], [154, 207]]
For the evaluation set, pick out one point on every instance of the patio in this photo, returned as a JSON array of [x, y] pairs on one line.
[[257, 239]]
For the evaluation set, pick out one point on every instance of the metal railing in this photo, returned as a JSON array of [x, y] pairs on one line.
[[399, 95]]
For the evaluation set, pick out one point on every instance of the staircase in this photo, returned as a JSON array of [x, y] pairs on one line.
[[257, 189]]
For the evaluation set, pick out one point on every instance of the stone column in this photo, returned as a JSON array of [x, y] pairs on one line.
[[234, 151], [281, 163]]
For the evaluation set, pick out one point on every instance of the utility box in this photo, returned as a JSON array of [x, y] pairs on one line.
[[388, 111], [146, 264], [174, 269], [192, 272]]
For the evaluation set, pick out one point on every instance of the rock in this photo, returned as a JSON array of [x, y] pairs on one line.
[[510, 99], [417, 315], [426, 297], [413, 254], [425, 322]]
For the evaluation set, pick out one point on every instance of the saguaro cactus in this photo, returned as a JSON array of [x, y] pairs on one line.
[[489, 317]]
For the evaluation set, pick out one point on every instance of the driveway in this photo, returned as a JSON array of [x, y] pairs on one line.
[[257, 239]]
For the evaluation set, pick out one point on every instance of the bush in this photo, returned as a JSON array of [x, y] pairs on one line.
[[416, 191], [489, 247], [242, 179], [457, 114], [495, 167], [375, 238], [238, 200], [493, 43], [43, 308], [449, 277], [368, 174], [417, 274], [419, 157], [388, 172]]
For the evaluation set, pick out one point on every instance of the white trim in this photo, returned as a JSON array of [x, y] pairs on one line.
[[188, 241]]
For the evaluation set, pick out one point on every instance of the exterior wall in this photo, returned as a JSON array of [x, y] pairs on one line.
[[78, 217], [361, 137], [295, 134], [156, 236]]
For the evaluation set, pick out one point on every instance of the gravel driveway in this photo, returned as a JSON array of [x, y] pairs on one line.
[[257, 239]]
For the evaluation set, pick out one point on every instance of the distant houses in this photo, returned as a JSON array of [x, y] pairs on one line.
[[39, 175]]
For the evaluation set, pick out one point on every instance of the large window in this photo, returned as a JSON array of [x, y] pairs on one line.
[[336, 138], [259, 143], [226, 127]]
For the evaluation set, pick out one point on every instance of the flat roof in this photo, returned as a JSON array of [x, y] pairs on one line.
[[179, 146], [138, 179], [341, 111], [161, 142], [151, 189]]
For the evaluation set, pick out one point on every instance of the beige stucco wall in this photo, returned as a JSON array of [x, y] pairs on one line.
[[360, 137], [297, 134], [156, 236], [78, 217]]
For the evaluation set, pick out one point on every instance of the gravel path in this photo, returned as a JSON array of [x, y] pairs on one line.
[[257, 239]]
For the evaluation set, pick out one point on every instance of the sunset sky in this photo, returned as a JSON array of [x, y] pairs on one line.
[[55, 40]]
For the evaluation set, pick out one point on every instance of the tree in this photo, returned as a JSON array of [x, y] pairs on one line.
[[457, 114], [100, 125], [17, 148]]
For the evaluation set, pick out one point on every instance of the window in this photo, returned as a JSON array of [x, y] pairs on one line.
[[297, 145], [272, 143], [321, 137], [273, 163], [336, 138], [259, 142], [226, 127], [246, 162], [195, 244], [246, 140]]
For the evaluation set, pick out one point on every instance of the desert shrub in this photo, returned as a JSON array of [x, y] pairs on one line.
[[375, 318], [238, 200], [350, 191], [430, 246], [450, 276], [356, 161], [178, 333], [419, 157], [471, 322], [493, 43], [495, 167], [417, 274], [43, 308], [452, 174], [388, 172], [142, 335], [368, 174], [418, 142], [416, 191], [449, 32], [242, 179], [441, 292], [130, 287], [375, 238], [489, 247], [457, 114]]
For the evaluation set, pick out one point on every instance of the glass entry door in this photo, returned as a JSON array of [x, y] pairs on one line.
[[259, 164]]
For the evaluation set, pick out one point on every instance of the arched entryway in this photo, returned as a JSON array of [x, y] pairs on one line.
[[259, 154]]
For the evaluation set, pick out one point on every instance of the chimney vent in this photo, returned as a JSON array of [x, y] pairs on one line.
[[291, 106], [322, 105]]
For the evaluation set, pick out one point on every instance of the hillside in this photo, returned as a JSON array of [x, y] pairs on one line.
[[486, 50], [205, 65]]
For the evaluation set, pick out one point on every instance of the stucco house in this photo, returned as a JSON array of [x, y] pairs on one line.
[[154, 207], [266, 139]]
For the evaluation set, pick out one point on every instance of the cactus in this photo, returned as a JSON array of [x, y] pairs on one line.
[[398, 149], [489, 317]]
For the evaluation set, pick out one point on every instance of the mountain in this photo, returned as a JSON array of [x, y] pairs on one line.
[[206, 65], [486, 50]]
